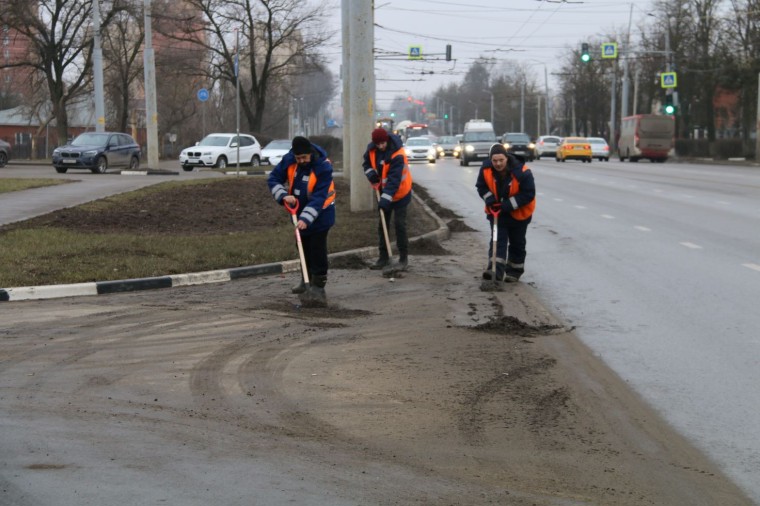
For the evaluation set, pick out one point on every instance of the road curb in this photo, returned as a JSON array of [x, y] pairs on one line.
[[198, 278]]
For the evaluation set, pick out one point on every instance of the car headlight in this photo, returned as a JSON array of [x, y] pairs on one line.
[[506, 145], [431, 152], [408, 151], [92, 152], [457, 149], [531, 146], [469, 148], [206, 153], [439, 149]]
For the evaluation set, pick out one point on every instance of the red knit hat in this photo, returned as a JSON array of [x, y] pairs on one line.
[[379, 135]]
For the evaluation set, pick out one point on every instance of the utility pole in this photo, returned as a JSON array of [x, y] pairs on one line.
[[757, 126], [237, 97], [522, 106], [345, 74], [151, 108], [97, 68], [613, 106], [361, 99], [624, 98], [548, 103]]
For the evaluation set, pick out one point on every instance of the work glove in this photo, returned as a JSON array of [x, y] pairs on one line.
[[495, 207], [506, 204], [490, 201], [384, 204], [374, 178]]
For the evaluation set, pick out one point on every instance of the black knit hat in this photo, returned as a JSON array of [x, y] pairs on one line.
[[497, 149], [301, 146]]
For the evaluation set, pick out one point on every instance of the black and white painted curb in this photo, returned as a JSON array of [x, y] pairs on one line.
[[196, 278]]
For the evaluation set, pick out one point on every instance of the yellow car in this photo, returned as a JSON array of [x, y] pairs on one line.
[[574, 148]]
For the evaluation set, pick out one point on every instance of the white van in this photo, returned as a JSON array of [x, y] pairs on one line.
[[477, 139]]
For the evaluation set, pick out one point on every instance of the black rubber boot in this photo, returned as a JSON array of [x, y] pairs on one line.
[[318, 296], [512, 272], [380, 263], [299, 288], [403, 262]]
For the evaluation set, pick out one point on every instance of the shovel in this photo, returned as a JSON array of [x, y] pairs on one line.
[[306, 298], [493, 285], [389, 271]]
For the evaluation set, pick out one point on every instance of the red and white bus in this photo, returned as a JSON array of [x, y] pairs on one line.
[[408, 129], [646, 136]]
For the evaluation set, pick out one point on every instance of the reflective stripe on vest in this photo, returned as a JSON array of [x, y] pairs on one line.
[[406, 176], [310, 186], [521, 213]]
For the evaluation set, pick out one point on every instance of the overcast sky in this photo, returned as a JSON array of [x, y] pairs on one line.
[[536, 32]]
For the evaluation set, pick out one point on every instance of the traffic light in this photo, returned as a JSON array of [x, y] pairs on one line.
[[448, 52], [585, 56], [669, 107], [445, 115]]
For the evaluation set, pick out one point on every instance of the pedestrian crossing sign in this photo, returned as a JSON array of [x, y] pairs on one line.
[[609, 50], [668, 80], [415, 52]]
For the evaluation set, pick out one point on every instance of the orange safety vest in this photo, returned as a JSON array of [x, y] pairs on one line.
[[406, 176], [521, 213], [310, 187]]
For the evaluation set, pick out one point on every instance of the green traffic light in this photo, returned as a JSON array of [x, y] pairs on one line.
[[585, 57], [669, 109]]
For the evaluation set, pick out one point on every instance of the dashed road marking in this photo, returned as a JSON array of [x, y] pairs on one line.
[[558, 200], [643, 229], [754, 267], [608, 217], [690, 245], [580, 207]]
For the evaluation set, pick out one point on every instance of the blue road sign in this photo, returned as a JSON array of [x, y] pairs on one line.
[[415, 52], [668, 80], [203, 94], [609, 50]]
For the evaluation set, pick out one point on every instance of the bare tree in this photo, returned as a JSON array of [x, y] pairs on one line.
[[122, 50], [60, 35], [278, 39]]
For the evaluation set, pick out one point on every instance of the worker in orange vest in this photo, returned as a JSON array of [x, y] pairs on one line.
[[385, 164], [506, 186]]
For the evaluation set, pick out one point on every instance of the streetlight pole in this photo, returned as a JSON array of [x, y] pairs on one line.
[[151, 107], [97, 68]]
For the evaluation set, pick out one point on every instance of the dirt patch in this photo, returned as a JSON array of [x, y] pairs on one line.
[[458, 225], [511, 326]]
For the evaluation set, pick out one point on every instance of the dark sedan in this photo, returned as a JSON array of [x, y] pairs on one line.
[[5, 152], [520, 144], [98, 152]]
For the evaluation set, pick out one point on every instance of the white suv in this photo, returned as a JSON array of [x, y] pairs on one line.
[[221, 150]]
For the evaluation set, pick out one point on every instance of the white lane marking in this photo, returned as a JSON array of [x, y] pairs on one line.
[[608, 216], [657, 190], [690, 245], [580, 207], [723, 202], [754, 267], [558, 200], [643, 229]]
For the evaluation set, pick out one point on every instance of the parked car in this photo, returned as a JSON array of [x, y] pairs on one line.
[[574, 148], [221, 150], [546, 145], [5, 152], [420, 148], [98, 152], [599, 148], [519, 143], [447, 144], [272, 153]]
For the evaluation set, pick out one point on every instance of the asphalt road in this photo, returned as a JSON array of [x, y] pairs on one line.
[[658, 267]]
